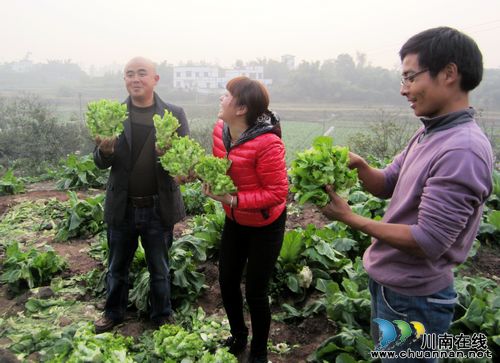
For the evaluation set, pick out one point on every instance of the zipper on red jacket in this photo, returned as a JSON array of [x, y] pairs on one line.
[[232, 209]]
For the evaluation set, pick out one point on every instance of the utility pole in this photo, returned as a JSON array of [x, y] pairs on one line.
[[80, 101]]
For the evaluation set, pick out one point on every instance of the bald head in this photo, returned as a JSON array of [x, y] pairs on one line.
[[141, 60], [140, 80]]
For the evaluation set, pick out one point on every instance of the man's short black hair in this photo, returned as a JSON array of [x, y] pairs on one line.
[[438, 47]]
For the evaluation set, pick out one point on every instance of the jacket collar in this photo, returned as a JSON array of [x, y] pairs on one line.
[[160, 107], [445, 122], [264, 125]]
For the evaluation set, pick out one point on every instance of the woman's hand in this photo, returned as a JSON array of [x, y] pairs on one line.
[[227, 198]]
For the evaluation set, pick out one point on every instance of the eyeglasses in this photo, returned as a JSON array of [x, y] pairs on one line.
[[406, 80]]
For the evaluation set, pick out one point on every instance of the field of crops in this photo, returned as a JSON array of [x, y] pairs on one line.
[[53, 261], [53, 254]]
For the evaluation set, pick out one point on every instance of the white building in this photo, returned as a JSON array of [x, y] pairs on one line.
[[24, 65], [206, 78], [201, 77]]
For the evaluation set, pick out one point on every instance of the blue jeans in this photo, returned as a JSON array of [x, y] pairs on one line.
[[435, 312], [123, 241]]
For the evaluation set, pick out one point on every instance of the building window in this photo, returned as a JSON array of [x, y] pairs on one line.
[[178, 74], [188, 73], [205, 74], [178, 84]]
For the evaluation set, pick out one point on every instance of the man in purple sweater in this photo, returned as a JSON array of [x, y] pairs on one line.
[[438, 185]]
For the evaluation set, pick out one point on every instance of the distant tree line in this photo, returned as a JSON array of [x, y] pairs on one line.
[[50, 74], [339, 80]]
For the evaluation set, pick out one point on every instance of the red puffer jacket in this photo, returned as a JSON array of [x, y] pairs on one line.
[[258, 170]]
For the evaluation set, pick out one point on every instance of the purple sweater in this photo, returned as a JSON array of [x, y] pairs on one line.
[[439, 185]]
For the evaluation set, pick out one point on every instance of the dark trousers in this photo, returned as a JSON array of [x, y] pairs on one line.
[[258, 248], [123, 240]]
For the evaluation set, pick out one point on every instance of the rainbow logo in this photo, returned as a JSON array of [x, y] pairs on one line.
[[397, 332]]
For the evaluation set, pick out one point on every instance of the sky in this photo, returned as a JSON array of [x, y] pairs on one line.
[[104, 32]]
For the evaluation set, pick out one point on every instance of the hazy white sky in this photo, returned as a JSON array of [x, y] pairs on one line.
[[102, 32]]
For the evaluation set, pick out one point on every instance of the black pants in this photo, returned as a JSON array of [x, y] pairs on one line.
[[258, 248]]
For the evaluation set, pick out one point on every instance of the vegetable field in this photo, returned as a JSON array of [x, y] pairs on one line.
[[53, 262]]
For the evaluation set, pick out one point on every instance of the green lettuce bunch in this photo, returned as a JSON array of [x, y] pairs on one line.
[[185, 157], [85, 346], [9, 184], [318, 166], [174, 344], [221, 355], [165, 129], [212, 170], [105, 118], [181, 158]]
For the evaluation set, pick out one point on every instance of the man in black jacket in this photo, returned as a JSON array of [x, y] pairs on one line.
[[142, 199]]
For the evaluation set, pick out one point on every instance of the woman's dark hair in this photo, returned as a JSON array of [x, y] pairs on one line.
[[438, 47], [252, 94]]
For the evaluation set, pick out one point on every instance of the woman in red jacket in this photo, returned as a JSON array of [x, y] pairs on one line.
[[249, 135]]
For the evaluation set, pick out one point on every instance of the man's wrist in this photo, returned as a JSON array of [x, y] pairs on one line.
[[351, 219]]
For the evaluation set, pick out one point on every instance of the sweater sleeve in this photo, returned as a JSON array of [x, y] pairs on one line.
[[459, 183], [272, 174], [391, 175], [391, 172]]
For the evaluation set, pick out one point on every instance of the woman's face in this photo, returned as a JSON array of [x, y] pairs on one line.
[[228, 110]]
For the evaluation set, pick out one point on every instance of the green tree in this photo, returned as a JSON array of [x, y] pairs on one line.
[[386, 136], [31, 135]]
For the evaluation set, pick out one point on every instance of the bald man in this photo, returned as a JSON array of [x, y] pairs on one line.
[[142, 199]]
